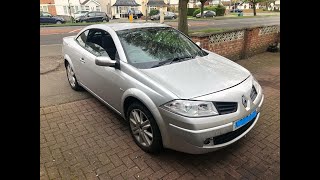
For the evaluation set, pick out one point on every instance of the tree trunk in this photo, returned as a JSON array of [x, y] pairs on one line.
[[254, 9], [202, 6], [183, 22]]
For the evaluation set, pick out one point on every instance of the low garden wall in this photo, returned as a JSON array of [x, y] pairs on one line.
[[239, 43]]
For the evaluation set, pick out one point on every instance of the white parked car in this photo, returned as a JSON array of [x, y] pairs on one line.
[[78, 14]]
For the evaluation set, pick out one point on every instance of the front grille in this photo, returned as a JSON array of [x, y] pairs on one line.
[[232, 135], [253, 93], [226, 107]]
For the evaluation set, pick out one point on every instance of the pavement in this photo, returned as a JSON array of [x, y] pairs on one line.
[[84, 139], [54, 35]]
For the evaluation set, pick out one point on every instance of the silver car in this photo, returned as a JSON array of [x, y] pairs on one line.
[[173, 93], [167, 15]]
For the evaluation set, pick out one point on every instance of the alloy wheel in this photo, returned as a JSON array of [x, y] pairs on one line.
[[141, 127], [71, 77]]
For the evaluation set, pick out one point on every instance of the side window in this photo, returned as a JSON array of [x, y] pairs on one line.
[[91, 14], [100, 43], [94, 42], [82, 38], [46, 14]]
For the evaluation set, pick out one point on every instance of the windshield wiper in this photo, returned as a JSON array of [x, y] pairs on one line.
[[171, 60]]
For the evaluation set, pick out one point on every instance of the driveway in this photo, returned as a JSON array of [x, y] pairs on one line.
[[86, 140]]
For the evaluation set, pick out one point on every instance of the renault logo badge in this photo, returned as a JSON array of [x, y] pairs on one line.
[[244, 101]]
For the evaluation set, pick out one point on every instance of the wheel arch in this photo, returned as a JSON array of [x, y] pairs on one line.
[[67, 59], [132, 95]]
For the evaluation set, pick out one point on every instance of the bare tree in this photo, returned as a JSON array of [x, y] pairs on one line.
[[202, 6], [183, 21]]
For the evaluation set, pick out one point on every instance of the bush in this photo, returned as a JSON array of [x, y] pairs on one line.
[[190, 11], [220, 10], [197, 11], [153, 12]]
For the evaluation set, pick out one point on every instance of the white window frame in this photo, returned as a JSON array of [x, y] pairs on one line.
[[65, 10], [98, 8], [152, 8], [44, 8]]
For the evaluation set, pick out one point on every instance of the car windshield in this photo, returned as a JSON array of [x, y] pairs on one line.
[[157, 46]]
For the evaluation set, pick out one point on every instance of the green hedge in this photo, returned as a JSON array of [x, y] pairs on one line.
[[220, 10], [195, 12], [153, 12], [190, 11]]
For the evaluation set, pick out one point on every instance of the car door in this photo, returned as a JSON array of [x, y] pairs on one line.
[[45, 18], [99, 17], [166, 15], [91, 17], [77, 54], [101, 80], [42, 19]]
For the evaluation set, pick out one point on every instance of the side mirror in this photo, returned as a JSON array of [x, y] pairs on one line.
[[198, 43], [105, 61]]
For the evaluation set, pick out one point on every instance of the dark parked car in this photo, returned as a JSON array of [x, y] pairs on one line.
[[206, 14], [93, 16], [47, 18], [236, 10], [136, 14]]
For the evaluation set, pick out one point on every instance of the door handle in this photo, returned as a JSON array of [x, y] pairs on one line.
[[82, 60]]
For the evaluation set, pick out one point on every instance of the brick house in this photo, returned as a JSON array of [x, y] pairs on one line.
[[48, 6]]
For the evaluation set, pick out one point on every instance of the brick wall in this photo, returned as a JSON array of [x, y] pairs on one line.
[[239, 43]]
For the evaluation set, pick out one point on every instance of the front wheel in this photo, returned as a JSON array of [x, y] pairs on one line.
[[72, 78], [144, 128]]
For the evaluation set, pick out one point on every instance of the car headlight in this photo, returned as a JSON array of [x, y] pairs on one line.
[[191, 108]]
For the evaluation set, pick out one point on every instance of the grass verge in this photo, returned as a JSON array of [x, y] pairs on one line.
[[209, 30]]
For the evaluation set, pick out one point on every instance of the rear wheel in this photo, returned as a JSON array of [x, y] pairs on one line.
[[58, 22], [144, 128]]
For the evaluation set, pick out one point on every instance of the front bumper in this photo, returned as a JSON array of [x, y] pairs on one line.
[[185, 138]]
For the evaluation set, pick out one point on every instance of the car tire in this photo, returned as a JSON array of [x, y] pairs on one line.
[[142, 131], [173, 18], [104, 20], [58, 22], [72, 78]]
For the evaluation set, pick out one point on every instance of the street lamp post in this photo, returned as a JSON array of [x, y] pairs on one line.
[[69, 7]]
